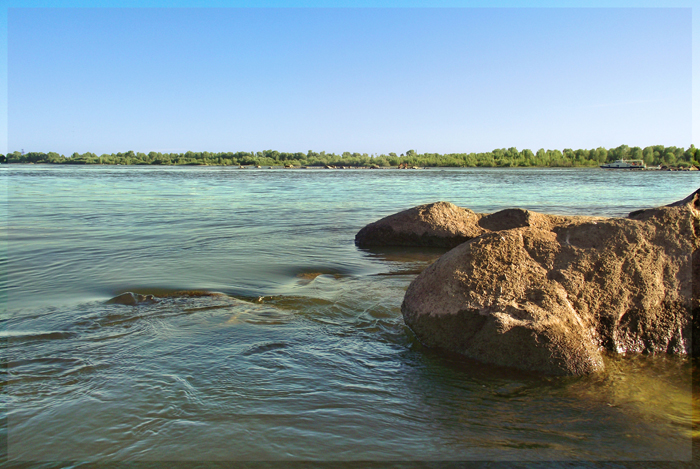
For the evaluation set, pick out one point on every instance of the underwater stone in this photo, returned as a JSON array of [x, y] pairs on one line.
[[131, 299]]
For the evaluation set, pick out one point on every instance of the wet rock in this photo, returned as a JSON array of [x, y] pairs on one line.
[[440, 224], [548, 294], [132, 299]]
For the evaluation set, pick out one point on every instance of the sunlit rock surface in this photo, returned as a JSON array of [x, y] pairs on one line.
[[440, 224], [549, 294]]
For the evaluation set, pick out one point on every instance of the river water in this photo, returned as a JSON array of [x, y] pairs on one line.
[[305, 357]]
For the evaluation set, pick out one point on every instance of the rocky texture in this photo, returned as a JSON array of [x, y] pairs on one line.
[[520, 218], [439, 224], [548, 294], [442, 224]]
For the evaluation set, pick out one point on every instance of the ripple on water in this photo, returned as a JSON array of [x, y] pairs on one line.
[[360, 383], [306, 356]]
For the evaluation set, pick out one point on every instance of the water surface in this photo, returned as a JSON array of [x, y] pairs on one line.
[[305, 355]]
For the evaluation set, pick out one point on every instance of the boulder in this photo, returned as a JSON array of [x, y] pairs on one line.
[[549, 294], [518, 218], [440, 224]]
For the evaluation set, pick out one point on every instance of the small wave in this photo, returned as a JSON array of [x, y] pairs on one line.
[[38, 367], [206, 308], [265, 316], [146, 296], [401, 272], [38, 335]]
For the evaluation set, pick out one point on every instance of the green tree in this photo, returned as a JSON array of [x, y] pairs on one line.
[[636, 153]]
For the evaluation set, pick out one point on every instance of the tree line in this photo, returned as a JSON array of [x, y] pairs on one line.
[[501, 157]]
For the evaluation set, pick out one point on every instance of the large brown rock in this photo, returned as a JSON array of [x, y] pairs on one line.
[[440, 224], [550, 293]]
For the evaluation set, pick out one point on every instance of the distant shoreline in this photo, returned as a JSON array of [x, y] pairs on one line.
[[328, 167], [658, 155]]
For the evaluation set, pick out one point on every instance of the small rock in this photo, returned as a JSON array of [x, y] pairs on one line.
[[132, 299]]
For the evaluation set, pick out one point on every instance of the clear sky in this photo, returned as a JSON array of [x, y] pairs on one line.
[[370, 77]]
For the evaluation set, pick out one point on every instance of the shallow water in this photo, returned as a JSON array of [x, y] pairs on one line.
[[305, 356]]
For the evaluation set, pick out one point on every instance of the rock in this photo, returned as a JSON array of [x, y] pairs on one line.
[[442, 224], [132, 299], [506, 219], [548, 294], [439, 224]]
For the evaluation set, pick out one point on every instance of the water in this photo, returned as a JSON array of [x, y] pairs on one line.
[[305, 356]]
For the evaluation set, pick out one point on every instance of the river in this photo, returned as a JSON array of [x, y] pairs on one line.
[[305, 356]]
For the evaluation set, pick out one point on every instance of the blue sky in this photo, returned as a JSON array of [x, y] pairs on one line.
[[371, 77]]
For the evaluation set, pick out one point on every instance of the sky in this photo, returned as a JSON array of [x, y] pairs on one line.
[[369, 77]]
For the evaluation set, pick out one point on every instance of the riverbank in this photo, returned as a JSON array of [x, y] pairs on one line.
[[500, 157], [402, 166]]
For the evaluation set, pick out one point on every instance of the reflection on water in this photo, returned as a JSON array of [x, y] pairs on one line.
[[305, 356]]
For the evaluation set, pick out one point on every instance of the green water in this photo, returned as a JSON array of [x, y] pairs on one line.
[[305, 357]]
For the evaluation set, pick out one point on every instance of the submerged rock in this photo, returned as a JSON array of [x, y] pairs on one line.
[[440, 224], [131, 299], [548, 294]]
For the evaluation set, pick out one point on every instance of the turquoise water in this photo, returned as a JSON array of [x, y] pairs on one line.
[[306, 356]]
